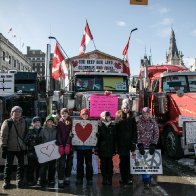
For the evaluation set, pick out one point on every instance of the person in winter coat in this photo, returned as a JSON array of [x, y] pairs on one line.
[[106, 146], [126, 136], [84, 154], [148, 136], [13, 132], [32, 139], [64, 141], [48, 133]]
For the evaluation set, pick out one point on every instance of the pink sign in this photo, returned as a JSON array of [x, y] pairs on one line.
[[100, 103]]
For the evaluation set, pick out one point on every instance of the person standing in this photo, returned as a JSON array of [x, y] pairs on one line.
[[13, 131], [32, 139], [106, 147], [48, 133], [84, 155], [126, 136], [64, 142], [148, 136]]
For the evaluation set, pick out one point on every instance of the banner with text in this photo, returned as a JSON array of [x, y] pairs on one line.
[[146, 164]]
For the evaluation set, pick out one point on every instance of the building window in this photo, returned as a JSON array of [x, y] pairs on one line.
[[10, 60], [3, 55], [15, 63]]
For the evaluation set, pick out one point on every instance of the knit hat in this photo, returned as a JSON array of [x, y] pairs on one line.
[[104, 114], [15, 108], [36, 119], [64, 110], [146, 110], [125, 104], [49, 117], [84, 111]]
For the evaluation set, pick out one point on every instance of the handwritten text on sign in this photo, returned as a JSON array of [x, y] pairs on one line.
[[100, 103], [146, 164], [47, 152]]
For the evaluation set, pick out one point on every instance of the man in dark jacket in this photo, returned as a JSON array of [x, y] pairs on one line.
[[126, 135]]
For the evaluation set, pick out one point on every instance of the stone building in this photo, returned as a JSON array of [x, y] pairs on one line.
[[174, 56], [11, 58]]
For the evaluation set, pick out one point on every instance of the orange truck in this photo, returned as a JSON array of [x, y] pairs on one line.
[[170, 92]]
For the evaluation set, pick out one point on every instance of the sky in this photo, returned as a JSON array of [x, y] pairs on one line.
[[110, 22]]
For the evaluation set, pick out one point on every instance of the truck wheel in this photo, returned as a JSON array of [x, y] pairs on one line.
[[172, 144]]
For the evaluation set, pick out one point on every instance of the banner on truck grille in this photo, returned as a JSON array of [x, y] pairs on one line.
[[189, 128]]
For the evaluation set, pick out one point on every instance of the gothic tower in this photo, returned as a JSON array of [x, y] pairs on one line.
[[174, 57]]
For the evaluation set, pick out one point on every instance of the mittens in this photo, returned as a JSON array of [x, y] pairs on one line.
[[67, 149], [141, 148], [4, 152], [61, 150], [152, 148]]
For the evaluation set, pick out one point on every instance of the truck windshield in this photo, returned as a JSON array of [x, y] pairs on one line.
[[25, 87], [101, 83], [175, 83]]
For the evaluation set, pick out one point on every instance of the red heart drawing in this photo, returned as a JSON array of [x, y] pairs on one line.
[[48, 150], [83, 133]]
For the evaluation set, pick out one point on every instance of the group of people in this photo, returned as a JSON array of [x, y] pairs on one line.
[[121, 137]]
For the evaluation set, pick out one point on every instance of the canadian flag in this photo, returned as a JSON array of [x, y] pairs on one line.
[[59, 67], [126, 68], [86, 38]]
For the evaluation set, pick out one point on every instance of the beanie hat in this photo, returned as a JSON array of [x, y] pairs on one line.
[[104, 114], [125, 104], [146, 110], [15, 108], [36, 119], [64, 110], [84, 111], [49, 117]]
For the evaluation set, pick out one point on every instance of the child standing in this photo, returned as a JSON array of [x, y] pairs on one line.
[[106, 146], [84, 153], [64, 141], [32, 139], [48, 133]]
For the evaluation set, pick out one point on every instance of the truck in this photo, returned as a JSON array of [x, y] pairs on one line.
[[25, 95], [95, 74], [170, 92]]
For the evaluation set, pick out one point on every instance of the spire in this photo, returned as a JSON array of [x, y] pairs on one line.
[[173, 56]]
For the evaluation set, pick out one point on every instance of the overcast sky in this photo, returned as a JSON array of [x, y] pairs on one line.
[[110, 21]]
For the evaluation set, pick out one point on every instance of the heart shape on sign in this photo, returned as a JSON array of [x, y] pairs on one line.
[[48, 150], [83, 133]]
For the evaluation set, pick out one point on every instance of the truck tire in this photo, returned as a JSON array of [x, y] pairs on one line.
[[172, 144]]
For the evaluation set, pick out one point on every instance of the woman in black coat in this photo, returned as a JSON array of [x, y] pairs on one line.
[[126, 139]]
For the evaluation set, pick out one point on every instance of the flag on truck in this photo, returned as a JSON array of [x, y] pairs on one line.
[[139, 2], [86, 38], [126, 68], [59, 67]]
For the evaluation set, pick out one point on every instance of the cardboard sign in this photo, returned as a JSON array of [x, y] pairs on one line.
[[190, 132], [182, 119], [146, 164], [100, 103], [84, 132], [47, 152]]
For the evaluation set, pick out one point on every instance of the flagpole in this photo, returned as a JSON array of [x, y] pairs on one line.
[[50, 37]]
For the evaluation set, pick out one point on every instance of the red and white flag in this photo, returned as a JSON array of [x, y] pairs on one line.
[[9, 30], [59, 67], [126, 68], [86, 38]]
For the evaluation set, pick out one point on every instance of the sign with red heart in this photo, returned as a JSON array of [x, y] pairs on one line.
[[84, 132]]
